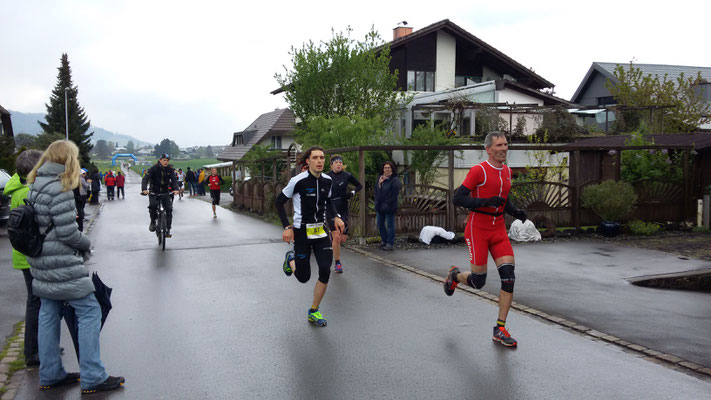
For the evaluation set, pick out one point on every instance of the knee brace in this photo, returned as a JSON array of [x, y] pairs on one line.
[[508, 278], [476, 280]]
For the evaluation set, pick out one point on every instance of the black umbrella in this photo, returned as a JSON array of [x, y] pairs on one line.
[[103, 296]]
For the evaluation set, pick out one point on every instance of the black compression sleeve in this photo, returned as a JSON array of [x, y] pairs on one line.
[[510, 208], [462, 198], [355, 183], [279, 204]]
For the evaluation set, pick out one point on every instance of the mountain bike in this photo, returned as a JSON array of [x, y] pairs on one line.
[[161, 220]]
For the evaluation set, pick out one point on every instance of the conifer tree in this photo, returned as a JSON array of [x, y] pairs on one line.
[[78, 121]]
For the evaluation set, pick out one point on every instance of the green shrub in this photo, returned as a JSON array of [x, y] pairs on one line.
[[639, 227], [611, 200]]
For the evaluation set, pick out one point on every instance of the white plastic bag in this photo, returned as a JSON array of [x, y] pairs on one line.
[[524, 231], [428, 232]]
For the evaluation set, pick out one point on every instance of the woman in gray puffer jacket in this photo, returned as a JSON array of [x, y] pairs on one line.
[[60, 274]]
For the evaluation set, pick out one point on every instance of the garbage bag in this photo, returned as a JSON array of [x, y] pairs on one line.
[[524, 231]]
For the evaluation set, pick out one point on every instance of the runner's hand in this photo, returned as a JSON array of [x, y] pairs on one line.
[[519, 214], [339, 224], [495, 201], [288, 235], [145, 192]]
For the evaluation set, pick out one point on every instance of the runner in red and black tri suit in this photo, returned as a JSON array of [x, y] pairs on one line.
[[485, 192]]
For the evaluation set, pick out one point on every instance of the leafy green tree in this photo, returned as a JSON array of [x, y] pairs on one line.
[[209, 152], [130, 147], [101, 149], [341, 77], [425, 162], [25, 140], [44, 139], [166, 146], [634, 89], [7, 153], [78, 121], [660, 165], [260, 152]]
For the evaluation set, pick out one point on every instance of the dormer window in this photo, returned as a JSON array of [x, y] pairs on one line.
[[238, 139]]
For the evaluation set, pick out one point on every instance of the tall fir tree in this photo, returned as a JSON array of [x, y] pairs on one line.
[[78, 121]]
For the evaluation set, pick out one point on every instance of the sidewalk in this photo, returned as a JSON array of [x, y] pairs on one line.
[[12, 286], [586, 284]]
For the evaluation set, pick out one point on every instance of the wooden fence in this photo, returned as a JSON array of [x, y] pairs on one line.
[[420, 205]]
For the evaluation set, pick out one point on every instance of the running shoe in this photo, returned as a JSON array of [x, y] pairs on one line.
[[168, 234], [450, 283], [111, 383], [70, 378], [152, 226], [502, 336], [339, 268], [287, 266], [316, 318]]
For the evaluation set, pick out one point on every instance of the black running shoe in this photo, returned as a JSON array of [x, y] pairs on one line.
[[502, 336], [450, 283], [69, 379], [152, 226], [111, 383]]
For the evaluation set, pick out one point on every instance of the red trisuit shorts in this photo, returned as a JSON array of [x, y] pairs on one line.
[[484, 240]]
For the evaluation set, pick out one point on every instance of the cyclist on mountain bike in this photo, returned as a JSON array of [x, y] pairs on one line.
[[162, 179]]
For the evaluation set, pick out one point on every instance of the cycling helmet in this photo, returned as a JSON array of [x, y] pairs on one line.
[[165, 155], [84, 171]]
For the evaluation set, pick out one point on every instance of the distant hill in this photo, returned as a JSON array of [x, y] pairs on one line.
[[27, 123]]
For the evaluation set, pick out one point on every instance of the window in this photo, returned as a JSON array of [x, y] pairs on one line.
[[238, 140], [603, 101], [420, 81], [276, 142], [461, 80]]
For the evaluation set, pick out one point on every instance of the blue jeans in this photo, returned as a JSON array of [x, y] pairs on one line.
[[88, 314], [386, 227]]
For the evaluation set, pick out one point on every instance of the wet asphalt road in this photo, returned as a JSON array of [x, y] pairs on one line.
[[586, 282], [214, 317]]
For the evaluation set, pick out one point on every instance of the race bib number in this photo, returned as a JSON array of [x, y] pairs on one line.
[[315, 231]]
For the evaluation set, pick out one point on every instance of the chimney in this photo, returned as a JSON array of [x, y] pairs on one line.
[[401, 31]]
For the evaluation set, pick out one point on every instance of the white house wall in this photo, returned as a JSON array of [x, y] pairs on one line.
[[446, 60]]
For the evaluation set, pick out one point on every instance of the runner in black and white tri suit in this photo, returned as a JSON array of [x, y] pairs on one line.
[[310, 192], [340, 196]]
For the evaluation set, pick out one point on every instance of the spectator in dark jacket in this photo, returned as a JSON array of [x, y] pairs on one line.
[[387, 189], [95, 186], [190, 180]]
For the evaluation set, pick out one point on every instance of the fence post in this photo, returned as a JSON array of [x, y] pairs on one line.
[[618, 165], [576, 188], [687, 195], [274, 171], [261, 187], [363, 197], [450, 191]]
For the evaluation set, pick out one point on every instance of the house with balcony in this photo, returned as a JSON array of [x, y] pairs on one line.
[[5, 123], [275, 128], [442, 62], [593, 91]]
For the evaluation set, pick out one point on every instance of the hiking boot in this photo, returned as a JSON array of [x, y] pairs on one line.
[[111, 383], [450, 283], [152, 226], [316, 318], [287, 266], [502, 336], [69, 379], [338, 268]]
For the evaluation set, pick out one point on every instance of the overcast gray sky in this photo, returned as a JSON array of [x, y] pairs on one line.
[[197, 71]]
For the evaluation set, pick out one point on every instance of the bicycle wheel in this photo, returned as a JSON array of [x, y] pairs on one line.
[[159, 229], [162, 232]]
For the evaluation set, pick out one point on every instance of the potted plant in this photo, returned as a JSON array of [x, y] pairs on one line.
[[612, 201]]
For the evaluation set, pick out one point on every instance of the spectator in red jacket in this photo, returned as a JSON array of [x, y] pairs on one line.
[[120, 182], [214, 181], [110, 182]]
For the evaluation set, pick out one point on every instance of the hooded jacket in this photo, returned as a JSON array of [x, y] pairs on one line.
[[59, 271], [18, 192]]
